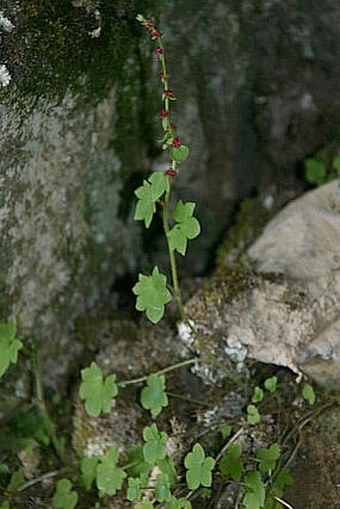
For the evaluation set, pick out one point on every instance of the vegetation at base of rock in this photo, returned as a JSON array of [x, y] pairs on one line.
[[258, 477]]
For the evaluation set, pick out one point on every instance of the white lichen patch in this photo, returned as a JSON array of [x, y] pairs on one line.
[[5, 23], [5, 76]]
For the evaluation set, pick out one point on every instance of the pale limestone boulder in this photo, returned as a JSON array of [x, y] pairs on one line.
[[285, 309]]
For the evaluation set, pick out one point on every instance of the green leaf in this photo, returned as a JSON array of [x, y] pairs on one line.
[[96, 392], [179, 503], [231, 463], [167, 466], [257, 396], [308, 394], [152, 295], [64, 498], [255, 491], [179, 154], [198, 468], [147, 194], [165, 123], [283, 480], [134, 489], [9, 346], [109, 476], [88, 468], [162, 488], [315, 171], [144, 505], [153, 397], [253, 415], [138, 465], [5, 505], [154, 448], [268, 457], [4, 470], [17, 479], [336, 163], [187, 227], [225, 430], [271, 384]]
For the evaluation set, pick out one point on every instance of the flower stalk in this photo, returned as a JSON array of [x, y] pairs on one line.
[[178, 153]]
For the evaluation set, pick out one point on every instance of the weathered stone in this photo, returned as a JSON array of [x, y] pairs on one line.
[[286, 313], [64, 236], [78, 131]]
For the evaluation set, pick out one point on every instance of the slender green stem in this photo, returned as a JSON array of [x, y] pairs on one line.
[[201, 342], [176, 288], [161, 372], [41, 401]]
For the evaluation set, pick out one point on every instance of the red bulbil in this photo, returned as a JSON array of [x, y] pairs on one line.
[[168, 93], [164, 114], [172, 125], [155, 33], [176, 143], [149, 25], [171, 172], [159, 51]]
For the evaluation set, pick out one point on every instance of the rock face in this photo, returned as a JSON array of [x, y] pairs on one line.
[[303, 244], [65, 237], [258, 90], [287, 312]]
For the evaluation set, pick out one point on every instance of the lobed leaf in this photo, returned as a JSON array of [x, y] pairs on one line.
[[268, 457], [179, 154], [283, 480], [134, 489], [271, 384], [88, 468], [153, 397], [138, 466], [147, 194], [64, 498], [253, 415], [258, 395], [152, 295], [187, 227], [167, 466], [154, 447], [255, 491], [231, 463], [225, 430], [110, 477], [198, 468], [162, 488], [96, 392]]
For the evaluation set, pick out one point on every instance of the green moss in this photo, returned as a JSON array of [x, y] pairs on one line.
[[51, 51], [231, 281]]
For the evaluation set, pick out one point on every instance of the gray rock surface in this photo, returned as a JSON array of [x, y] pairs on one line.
[[78, 131], [287, 312]]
